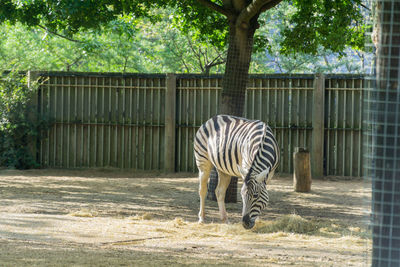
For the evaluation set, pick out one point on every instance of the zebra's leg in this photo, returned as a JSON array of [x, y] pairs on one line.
[[220, 191], [204, 175]]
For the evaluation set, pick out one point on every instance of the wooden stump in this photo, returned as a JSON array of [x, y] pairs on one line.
[[302, 170]]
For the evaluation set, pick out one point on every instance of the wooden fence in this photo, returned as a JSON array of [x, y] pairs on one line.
[[148, 121]]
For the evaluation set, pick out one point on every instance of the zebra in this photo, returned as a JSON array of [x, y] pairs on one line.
[[236, 147]]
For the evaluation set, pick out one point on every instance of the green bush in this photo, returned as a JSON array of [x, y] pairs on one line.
[[20, 123]]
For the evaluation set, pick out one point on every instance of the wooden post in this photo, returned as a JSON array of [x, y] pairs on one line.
[[317, 152], [32, 77], [170, 121], [302, 170]]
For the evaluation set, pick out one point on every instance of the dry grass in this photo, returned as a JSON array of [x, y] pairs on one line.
[[84, 212], [288, 223], [90, 218]]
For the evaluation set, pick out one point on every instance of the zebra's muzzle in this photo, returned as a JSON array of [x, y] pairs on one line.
[[247, 222]]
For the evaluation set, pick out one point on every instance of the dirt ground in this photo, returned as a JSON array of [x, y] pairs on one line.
[[115, 218]]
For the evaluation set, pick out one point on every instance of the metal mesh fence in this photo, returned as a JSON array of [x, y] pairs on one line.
[[382, 162], [233, 91]]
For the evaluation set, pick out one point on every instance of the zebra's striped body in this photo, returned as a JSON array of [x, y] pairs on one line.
[[236, 147]]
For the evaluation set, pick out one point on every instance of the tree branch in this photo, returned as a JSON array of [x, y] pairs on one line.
[[216, 63], [219, 56], [125, 63], [197, 54], [254, 8], [180, 56], [216, 7], [364, 6], [69, 65], [59, 35], [326, 61], [270, 5]]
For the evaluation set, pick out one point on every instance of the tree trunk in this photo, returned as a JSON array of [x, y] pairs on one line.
[[237, 69], [384, 167], [234, 86]]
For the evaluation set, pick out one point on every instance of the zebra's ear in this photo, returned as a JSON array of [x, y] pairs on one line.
[[262, 176], [242, 171]]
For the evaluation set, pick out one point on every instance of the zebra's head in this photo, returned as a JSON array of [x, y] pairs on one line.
[[254, 195]]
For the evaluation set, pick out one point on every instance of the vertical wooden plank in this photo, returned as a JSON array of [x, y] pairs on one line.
[[353, 132], [41, 113], [126, 121], [60, 120], [278, 126], [202, 91], [336, 132], [75, 116], [289, 101], [46, 145], [116, 91], [269, 103], [143, 151], [317, 153], [110, 122], [328, 132], [187, 115], [43, 107], [274, 114], [344, 140], [181, 84], [296, 112], [68, 123], [282, 124], [103, 116], [137, 122], [299, 119], [307, 105], [216, 103], [51, 129], [122, 122], [82, 119], [49, 132], [96, 95], [89, 107], [209, 103], [160, 112], [131, 127], [170, 105], [151, 124], [57, 126], [364, 94]]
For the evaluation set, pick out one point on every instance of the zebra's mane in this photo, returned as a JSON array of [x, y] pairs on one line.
[[264, 133]]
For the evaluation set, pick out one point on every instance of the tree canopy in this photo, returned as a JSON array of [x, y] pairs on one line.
[[332, 24], [130, 44]]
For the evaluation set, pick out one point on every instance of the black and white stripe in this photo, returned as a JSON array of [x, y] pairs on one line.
[[237, 147]]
